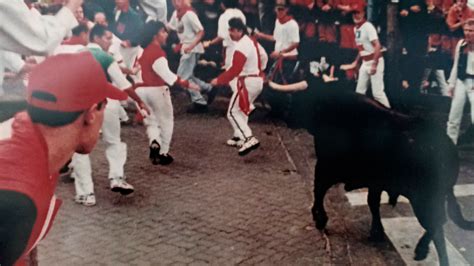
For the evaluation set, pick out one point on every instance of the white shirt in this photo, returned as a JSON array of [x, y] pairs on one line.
[[187, 29], [26, 34], [364, 35], [223, 24], [247, 47], [11, 61], [161, 68], [155, 9], [285, 35]]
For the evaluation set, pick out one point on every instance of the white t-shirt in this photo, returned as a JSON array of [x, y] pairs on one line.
[[247, 47], [187, 28], [364, 35], [285, 35]]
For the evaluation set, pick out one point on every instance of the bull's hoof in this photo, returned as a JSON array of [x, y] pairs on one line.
[[421, 253], [377, 236], [321, 221]]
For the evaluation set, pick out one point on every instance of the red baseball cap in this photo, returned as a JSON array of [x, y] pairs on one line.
[[70, 83]]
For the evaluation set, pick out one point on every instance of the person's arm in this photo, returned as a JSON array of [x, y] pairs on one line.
[[452, 19], [25, 34], [238, 62], [454, 70], [377, 53], [261, 35], [122, 83], [161, 68]]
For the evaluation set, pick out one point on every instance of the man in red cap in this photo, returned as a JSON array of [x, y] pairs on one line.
[[63, 116]]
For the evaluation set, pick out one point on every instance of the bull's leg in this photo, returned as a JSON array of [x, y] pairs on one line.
[[321, 186], [373, 199], [422, 248], [440, 245]]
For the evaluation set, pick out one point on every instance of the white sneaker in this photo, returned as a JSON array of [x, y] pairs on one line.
[[235, 142], [249, 145], [119, 184], [86, 200]]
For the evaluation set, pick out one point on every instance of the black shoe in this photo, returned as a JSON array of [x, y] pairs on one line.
[[197, 109], [154, 152], [211, 95], [165, 159]]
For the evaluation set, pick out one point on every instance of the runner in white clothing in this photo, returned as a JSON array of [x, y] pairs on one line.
[[245, 77], [372, 67], [230, 11]]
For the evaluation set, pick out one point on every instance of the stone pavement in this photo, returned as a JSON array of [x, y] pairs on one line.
[[209, 206]]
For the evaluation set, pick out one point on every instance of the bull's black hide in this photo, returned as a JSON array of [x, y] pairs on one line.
[[360, 143]]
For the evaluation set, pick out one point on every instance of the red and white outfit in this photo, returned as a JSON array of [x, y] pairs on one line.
[[245, 79], [223, 32], [155, 93], [364, 35], [24, 164]]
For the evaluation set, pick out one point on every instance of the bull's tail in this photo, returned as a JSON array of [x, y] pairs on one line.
[[454, 211]]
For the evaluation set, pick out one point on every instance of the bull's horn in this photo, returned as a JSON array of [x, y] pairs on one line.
[[299, 86]]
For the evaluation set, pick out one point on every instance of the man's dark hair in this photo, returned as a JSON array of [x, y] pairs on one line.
[[238, 24], [98, 30], [76, 31], [149, 31], [230, 3]]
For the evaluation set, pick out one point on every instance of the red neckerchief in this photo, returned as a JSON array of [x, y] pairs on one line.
[[285, 19], [181, 11], [358, 25], [73, 41]]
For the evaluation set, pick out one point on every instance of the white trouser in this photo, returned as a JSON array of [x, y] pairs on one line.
[[115, 152], [129, 55], [440, 79], [159, 125], [376, 80], [462, 90], [237, 118]]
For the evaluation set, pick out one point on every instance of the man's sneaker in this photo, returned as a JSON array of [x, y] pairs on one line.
[[119, 184], [86, 200], [235, 142], [165, 159], [249, 145], [197, 109], [154, 152]]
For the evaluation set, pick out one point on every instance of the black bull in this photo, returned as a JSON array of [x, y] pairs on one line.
[[361, 143]]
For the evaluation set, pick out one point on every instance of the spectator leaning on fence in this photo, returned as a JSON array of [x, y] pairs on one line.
[[64, 115]]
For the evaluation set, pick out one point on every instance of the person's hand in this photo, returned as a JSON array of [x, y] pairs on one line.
[[214, 82], [373, 69], [404, 13], [206, 44], [194, 87], [326, 8], [187, 50], [143, 109], [415, 8], [275, 54], [257, 34], [73, 5], [451, 91]]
